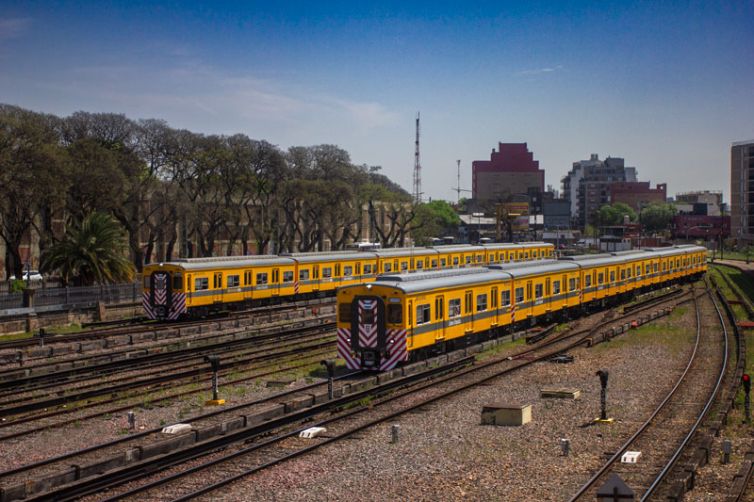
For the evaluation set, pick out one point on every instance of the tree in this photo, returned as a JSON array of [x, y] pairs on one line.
[[434, 219], [615, 214], [30, 162], [657, 216], [90, 253]]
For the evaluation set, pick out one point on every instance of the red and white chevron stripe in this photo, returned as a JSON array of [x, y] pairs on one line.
[[178, 307], [295, 287], [344, 349], [396, 347], [147, 306], [513, 314], [160, 289], [368, 332]]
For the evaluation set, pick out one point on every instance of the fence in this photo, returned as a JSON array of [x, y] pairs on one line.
[[111, 294]]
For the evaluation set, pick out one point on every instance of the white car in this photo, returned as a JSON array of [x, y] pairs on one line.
[[31, 276]]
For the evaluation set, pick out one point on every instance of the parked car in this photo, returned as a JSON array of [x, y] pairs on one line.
[[30, 275]]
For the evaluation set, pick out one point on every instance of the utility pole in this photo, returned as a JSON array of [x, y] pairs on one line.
[[417, 167]]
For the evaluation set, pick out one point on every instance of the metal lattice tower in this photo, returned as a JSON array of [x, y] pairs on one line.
[[417, 167]]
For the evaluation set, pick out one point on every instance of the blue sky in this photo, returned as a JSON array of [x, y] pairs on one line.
[[666, 85]]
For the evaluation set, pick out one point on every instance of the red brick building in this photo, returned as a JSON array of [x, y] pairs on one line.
[[510, 170], [694, 226], [637, 194]]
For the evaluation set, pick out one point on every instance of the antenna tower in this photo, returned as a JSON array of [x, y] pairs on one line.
[[458, 188], [417, 168]]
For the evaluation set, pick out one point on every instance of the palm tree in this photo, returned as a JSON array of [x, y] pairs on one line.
[[91, 253]]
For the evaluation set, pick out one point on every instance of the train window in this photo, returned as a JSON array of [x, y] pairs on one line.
[[519, 295], [262, 278], [481, 303], [623, 274], [505, 298], [367, 268], [419, 265], [234, 281], [455, 261], [600, 278], [612, 276], [647, 269], [628, 272], [587, 280], [534, 254], [479, 258], [572, 284], [368, 316], [303, 275], [395, 313], [664, 266], [468, 260], [638, 270], [538, 291], [434, 263], [404, 266], [348, 271], [467, 302], [177, 281], [454, 307], [288, 276], [443, 262], [526, 255], [326, 272], [344, 312], [422, 314], [656, 267], [388, 267], [201, 283], [555, 287]]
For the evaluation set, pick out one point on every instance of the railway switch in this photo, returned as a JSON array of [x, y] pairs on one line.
[[214, 361], [330, 365]]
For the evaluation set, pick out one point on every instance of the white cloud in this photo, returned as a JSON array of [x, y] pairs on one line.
[[13, 27], [539, 71]]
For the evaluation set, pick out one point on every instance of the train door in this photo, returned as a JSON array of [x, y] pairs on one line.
[[189, 286], [247, 285], [275, 282], [440, 317], [468, 310], [410, 323], [494, 306], [548, 294], [217, 285], [315, 278], [529, 299]]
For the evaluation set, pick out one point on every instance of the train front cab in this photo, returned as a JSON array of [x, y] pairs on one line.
[[163, 296], [371, 332]]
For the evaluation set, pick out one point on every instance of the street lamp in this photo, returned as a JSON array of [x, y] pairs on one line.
[[478, 216]]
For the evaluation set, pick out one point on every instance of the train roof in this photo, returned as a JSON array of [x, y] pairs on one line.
[[249, 261], [416, 283], [457, 248], [328, 256], [536, 268], [399, 252]]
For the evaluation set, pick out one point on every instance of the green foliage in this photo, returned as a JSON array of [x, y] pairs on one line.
[[91, 253], [434, 219], [657, 217], [614, 214]]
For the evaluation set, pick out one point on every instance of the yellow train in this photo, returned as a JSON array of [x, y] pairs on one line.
[[198, 286], [386, 321]]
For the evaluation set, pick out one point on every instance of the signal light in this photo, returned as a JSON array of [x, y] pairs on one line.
[[746, 379]]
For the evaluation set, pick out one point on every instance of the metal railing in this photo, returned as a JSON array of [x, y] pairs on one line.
[[110, 294]]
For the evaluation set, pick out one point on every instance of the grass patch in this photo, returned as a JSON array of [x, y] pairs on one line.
[[501, 347]]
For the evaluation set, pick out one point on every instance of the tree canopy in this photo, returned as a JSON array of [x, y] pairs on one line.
[[657, 217], [614, 214]]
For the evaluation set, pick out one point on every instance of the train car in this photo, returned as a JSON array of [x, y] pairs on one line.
[[395, 317], [198, 286]]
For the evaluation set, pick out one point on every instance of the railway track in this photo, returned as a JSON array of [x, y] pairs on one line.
[[450, 385], [250, 316], [662, 438]]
